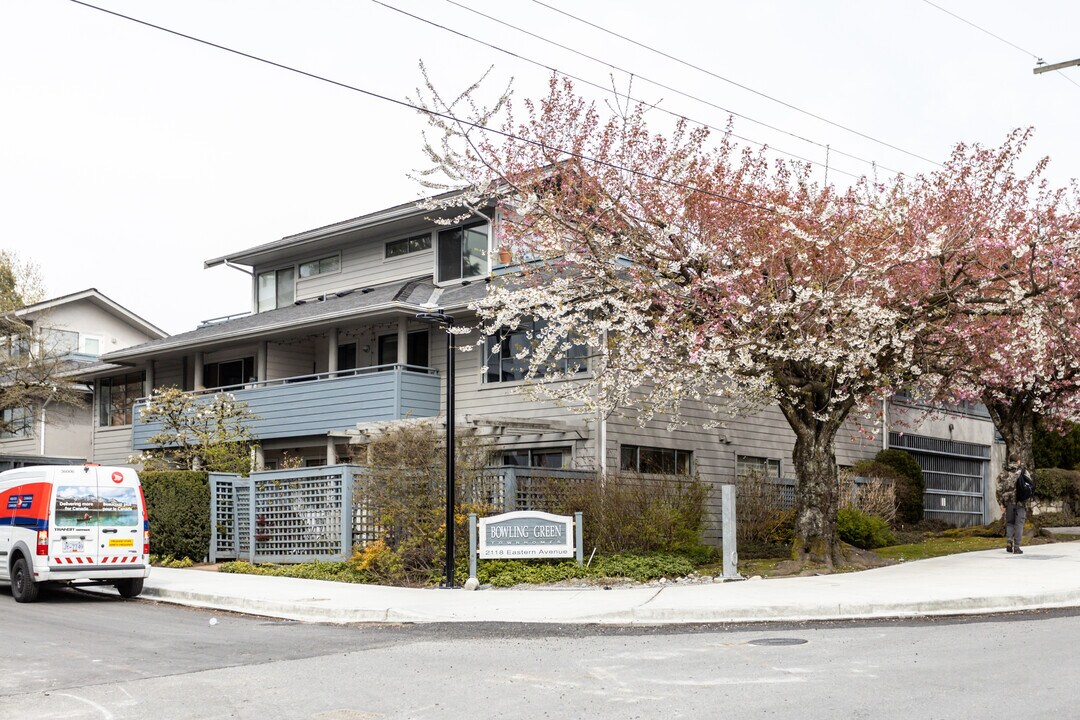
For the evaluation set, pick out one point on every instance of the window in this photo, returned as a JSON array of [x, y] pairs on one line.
[[664, 461], [415, 354], [229, 375], [511, 360], [528, 457], [463, 252], [416, 243], [321, 266], [16, 423], [277, 289], [59, 342], [91, 345], [767, 467], [117, 398], [346, 356]]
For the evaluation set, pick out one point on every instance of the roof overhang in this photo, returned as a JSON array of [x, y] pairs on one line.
[[297, 244], [93, 296]]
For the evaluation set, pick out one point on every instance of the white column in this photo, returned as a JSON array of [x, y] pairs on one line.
[[403, 340], [261, 360], [198, 375], [148, 382], [331, 452], [331, 361]]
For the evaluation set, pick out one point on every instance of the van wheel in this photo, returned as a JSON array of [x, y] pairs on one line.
[[130, 587], [23, 587]]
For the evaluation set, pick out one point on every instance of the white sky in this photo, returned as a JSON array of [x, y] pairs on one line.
[[129, 156]]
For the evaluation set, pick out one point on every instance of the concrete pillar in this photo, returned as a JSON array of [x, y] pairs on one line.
[[198, 372], [260, 457], [331, 452]]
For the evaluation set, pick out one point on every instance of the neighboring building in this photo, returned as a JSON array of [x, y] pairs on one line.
[[79, 328], [332, 349]]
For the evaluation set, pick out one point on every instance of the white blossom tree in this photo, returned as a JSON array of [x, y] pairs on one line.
[[198, 432]]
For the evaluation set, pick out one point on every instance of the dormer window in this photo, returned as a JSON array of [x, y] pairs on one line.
[[277, 288], [463, 252]]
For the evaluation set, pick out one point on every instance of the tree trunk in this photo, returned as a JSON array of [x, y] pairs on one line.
[[816, 480], [1015, 418]]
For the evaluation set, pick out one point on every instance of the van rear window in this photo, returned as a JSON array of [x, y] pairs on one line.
[[87, 505]]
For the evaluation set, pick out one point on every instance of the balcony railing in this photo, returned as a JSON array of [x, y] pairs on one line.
[[316, 404]]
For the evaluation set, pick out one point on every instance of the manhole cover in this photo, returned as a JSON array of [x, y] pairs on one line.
[[777, 641]]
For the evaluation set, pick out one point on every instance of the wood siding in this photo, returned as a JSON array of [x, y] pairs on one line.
[[112, 446], [316, 407]]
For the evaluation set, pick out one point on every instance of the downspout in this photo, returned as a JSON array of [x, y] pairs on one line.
[[237, 267], [42, 433]]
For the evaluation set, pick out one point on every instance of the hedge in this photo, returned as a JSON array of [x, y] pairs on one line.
[[178, 505]]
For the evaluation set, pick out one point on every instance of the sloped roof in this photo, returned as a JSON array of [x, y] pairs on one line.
[[411, 295], [94, 296]]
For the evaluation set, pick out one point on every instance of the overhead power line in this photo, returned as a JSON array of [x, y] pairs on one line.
[[1038, 59], [983, 30], [426, 111], [710, 73], [519, 56]]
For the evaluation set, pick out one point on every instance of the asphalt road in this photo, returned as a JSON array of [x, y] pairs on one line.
[[76, 655]]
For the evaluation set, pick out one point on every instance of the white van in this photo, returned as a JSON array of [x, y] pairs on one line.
[[76, 524]]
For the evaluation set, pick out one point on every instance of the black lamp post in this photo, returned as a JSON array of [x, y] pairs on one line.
[[441, 318]]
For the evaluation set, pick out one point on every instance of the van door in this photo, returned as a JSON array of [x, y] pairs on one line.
[[73, 537], [120, 522]]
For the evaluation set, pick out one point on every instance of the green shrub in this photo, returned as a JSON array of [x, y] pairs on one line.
[[507, 573], [763, 518], [1053, 519], [635, 513], [642, 568], [170, 562], [910, 485], [1057, 447], [861, 530], [404, 494], [334, 571], [178, 507], [1056, 485]]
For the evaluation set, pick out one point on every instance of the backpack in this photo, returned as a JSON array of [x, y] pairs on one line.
[[1025, 487]]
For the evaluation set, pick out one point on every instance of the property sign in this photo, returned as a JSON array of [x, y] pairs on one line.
[[522, 534]]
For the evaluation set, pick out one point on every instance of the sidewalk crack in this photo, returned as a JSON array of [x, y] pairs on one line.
[[654, 596]]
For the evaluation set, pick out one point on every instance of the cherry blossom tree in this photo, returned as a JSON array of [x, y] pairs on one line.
[[711, 275], [1014, 346]]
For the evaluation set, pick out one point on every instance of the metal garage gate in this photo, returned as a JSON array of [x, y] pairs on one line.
[[956, 475]]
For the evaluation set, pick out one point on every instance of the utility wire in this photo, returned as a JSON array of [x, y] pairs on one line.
[[984, 30], [732, 82], [1038, 60], [579, 79], [628, 72], [426, 111]]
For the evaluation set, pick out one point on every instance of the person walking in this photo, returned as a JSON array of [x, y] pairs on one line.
[[1016, 511]]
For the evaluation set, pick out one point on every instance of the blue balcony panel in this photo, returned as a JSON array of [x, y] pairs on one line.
[[314, 405]]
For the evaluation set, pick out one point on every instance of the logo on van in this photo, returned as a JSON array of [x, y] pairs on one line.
[[118, 477]]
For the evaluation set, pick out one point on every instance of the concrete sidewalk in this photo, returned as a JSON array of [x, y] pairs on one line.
[[1045, 576]]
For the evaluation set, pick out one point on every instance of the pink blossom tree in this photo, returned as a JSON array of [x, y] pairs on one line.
[[708, 275], [1015, 344]]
